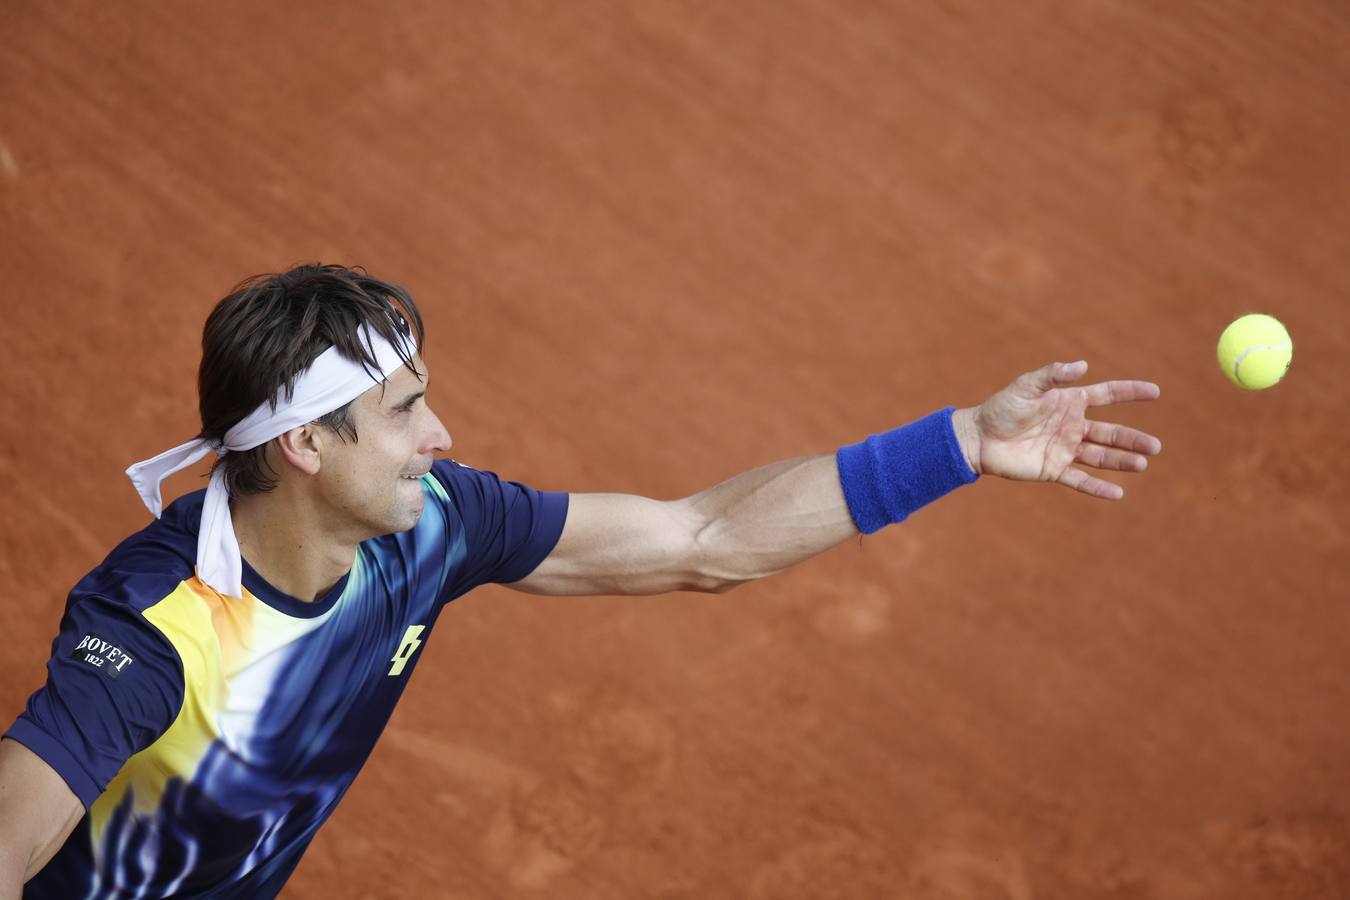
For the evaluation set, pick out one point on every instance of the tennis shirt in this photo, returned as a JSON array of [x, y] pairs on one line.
[[208, 736]]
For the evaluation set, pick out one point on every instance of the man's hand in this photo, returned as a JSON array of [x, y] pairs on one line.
[[1036, 428]]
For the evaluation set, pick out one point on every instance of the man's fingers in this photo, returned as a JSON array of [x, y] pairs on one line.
[[1100, 457], [1068, 373], [1094, 487], [1054, 374], [1110, 435], [1105, 393]]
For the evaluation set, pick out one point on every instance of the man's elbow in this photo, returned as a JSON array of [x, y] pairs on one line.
[[716, 581], [720, 585], [710, 566]]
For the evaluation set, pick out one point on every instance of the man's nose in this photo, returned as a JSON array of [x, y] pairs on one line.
[[437, 439]]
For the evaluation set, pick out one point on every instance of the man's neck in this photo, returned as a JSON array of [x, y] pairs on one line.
[[282, 539]]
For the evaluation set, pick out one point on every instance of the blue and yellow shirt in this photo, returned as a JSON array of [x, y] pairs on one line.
[[209, 737]]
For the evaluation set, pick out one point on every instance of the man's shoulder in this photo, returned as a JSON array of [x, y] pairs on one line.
[[148, 565], [465, 483], [450, 469], [455, 482]]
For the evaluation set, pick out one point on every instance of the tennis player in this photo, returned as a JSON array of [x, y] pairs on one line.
[[218, 681]]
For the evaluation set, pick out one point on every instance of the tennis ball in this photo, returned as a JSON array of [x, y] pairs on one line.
[[1255, 351]]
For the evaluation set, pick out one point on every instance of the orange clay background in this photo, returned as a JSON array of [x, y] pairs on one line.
[[660, 243]]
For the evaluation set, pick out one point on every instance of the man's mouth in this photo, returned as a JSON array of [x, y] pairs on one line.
[[418, 476]]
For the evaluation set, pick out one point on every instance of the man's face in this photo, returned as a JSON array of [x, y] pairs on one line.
[[373, 482]]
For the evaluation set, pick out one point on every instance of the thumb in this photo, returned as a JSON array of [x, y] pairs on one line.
[[1068, 373], [1057, 373]]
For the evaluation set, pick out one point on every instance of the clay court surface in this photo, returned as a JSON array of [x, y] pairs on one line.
[[660, 243]]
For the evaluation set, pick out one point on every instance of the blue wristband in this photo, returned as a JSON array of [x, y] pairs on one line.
[[890, 475]]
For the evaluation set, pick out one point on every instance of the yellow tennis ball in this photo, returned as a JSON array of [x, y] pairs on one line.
[[1255, 351]]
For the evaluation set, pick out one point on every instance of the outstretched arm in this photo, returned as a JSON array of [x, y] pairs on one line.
[[768, 519], [753, 525]]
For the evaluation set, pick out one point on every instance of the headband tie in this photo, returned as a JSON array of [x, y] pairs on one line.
[[331, 381]]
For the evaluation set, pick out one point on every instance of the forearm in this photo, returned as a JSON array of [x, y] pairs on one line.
[[768, 519], [757, 523]]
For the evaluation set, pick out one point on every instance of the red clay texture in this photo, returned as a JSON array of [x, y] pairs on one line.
[[659, 243]]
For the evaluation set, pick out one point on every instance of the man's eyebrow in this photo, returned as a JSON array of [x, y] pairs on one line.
[[410, 400]]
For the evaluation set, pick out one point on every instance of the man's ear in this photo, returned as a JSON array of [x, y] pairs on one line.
[[300, 447]]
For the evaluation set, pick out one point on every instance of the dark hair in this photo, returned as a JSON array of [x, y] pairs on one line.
[[270, 329]]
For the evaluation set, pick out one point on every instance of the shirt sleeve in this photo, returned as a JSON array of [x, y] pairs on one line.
[[114, 685], [509, 528]]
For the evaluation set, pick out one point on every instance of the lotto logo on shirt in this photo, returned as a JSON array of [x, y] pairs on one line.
[[102, 655]]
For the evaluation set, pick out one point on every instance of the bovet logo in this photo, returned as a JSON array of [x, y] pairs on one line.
[[101, 654]]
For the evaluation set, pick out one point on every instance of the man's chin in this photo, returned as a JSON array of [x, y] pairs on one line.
[[407, 517]]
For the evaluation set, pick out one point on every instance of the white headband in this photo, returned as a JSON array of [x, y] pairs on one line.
[[329, 383]]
